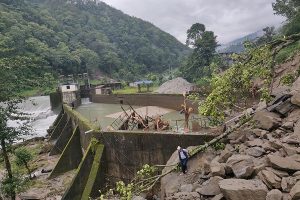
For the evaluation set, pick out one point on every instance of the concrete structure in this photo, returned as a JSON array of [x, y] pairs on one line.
[[137, 83], [171, 101], [101, 89], [110, 156], [70, 93]]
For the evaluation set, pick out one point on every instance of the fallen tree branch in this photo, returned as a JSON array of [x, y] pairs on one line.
[[148, 183]]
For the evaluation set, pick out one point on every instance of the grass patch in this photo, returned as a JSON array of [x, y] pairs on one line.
[[287, 52], [134, 90]]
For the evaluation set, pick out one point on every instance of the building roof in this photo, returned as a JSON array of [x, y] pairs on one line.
[[143, 82]]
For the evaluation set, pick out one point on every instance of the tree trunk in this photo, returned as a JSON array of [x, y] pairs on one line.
[[7, 165], [28, 170]]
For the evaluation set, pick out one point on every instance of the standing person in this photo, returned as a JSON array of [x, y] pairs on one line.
[[187, 112], [183, 157]]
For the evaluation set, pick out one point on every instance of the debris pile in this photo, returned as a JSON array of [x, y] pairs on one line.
[[260, 161], [175, 86]]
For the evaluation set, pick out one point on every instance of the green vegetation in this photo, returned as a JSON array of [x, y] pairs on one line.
[[198, 64], [84, 35], [288, 53], [23, 157]]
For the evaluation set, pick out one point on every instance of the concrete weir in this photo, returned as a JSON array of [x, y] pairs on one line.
[[102, 158]]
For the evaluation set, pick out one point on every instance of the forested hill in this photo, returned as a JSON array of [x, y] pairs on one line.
[[73, 36]]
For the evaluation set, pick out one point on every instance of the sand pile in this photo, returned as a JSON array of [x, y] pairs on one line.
[[175, 86]]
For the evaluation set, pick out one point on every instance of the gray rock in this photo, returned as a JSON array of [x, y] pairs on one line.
[[296, 86], [217, 169], [267, 120], [284, 163], [270, 179], [278, 172], [210, 187], [260, 133], [255, 143], [261, 106], [287, 183], [186, 188], [295, 191], [241, 165], [218, 197], [255, 151], [289, 125], [235, 189], [289, 150], [296, 99], [291, 139], [184, 196], [297, 129], [225, 154], [286, 196], [274, 195], [138, 198]]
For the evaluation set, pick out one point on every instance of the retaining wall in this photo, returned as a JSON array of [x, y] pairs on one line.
[[171, 101]]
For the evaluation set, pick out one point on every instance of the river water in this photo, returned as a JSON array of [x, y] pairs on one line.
[[40, 113]]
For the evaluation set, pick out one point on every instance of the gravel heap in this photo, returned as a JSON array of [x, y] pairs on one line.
[[175, 86]]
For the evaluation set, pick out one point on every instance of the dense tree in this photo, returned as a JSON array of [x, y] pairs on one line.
[[76, 36], [287, 8], [291, 10], [204, 48], [269, 33]]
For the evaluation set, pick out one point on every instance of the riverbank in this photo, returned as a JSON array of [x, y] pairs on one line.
[[41, 187]]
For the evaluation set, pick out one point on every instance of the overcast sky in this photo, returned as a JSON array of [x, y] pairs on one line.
[[229, 19]]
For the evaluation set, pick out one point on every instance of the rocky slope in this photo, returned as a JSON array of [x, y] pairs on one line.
[[260, 161]]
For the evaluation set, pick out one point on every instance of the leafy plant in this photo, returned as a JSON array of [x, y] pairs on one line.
[[23, 157], [10, 185], [288, 79], [219, 146]]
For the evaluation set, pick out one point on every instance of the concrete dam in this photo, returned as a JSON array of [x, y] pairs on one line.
[[102, 157]]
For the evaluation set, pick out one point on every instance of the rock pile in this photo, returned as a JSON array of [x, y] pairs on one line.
[[261, 161], [175, 86]]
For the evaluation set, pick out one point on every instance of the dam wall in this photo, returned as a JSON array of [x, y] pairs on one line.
[[171, 101], [123, 153]]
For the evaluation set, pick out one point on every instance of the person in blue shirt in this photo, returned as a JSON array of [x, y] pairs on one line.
[[183, 157]]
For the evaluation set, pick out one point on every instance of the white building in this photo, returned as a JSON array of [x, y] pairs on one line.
[[69, 92]]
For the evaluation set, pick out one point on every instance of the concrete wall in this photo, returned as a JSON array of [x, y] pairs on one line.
[[55, 100], [171, 101], [125, 152]]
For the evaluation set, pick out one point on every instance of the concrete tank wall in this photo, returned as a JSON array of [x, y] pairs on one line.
[[126, 151], [171, 101]]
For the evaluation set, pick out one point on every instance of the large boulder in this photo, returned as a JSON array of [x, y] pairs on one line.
[[267, 120], [295, 191], [283, 163], [296, 86], [255, 151], [241, 165], [225, 154], [210, 187], [240, 189], [217, 169], [274, 195], [270, 179]]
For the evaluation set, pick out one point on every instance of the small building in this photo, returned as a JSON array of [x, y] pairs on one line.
[[70, 93], [137, 83], [102, 89]]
